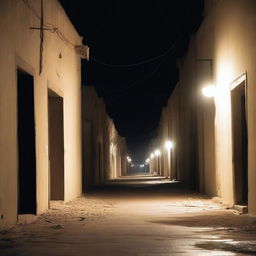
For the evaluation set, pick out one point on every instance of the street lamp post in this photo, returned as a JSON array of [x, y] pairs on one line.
[[157, 153], [129, 162], [152, 163], [169, 146]]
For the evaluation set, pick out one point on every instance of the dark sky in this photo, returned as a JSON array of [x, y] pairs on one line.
[[133, 50]]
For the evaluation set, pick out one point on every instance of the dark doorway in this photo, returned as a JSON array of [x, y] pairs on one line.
[[194, 165], [173, 164], [26, 144], [56, 146], [240, 143]]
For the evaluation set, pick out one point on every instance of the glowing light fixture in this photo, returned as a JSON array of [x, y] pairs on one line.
[[128, 159], [168, 144], [157, 152], [147, 160], [209, 91], [152, 155]]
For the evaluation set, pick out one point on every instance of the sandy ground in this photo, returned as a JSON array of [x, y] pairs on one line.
[[143, 220]]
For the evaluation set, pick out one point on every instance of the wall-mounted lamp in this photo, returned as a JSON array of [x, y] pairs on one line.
[[168, 144], [157, 152], [152, 155], [209, 91], [83, 51]]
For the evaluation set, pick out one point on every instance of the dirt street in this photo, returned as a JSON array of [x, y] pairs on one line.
[[134, 216]]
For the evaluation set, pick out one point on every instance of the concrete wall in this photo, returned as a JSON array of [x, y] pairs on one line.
[[179, 124], [118, 152], [234, 54], [222, 52], [19, 47], [104, 151]]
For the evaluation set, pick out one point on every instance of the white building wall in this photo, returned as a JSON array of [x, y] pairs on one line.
[[19, 46]]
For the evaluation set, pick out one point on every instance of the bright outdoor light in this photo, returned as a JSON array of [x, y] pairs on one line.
[[209, 91], [157, 152], [129, 160], [148, 160], [142, 165], [168, 144], [152, 155]]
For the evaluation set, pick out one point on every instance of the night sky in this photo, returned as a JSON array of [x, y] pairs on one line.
[[133, 50]]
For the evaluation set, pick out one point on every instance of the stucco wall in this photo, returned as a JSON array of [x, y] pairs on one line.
[[234, 54], [19, 46], [225, 41], [110, 163]]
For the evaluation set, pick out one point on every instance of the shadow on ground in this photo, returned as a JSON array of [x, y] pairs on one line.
[[221, 219]]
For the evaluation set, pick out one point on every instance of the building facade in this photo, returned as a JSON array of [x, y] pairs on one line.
[[40, 108], [104, 150], [214, 137]]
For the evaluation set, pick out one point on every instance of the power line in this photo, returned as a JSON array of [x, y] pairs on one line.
[[139, 80], [51, 27], [134, 64], [123, 90]]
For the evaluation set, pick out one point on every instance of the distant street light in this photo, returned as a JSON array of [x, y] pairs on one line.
[[168, 145], [147, 160], [209, 91], [157, 152], [152, 155]]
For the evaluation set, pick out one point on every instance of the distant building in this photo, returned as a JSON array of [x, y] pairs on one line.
[[104, 151]]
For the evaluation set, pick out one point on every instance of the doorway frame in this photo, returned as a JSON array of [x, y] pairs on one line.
[[23, 65], [234, 84], [59, 93]]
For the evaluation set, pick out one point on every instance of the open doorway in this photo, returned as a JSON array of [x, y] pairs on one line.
[[240, 143], [56, 146], [26, 144]]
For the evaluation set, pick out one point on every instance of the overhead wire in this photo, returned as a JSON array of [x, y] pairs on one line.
[[134, 64], [52, 28], [122, 90]]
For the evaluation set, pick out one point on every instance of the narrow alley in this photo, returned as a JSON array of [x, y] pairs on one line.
[[127, 128], [138, 215]]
